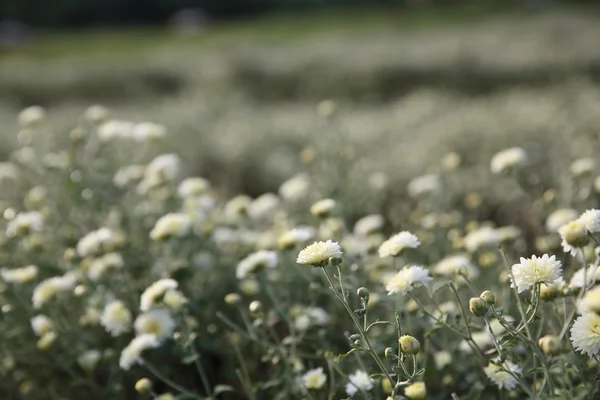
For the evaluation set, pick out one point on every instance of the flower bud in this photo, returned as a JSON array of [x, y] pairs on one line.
[[354, 337], [550, 345], [363, 293], [335, 260], [143, 386], [478, 306], [575, 234], [488, 297], [389, 353], [255, 307], [416, 391], [386, 385], [409, 345], [46, 341]]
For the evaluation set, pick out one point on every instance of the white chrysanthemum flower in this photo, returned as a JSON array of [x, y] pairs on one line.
[[359, 380], [296, 236], [507, 234], [19, 275], [310, 316], [572, 233], [95, 241], [89, 359], [442, 358], [559, 218], [407, 279], [237, 207], [313, 379], [423, 185], [116, 318], [481, 238], [153, 293], [100, 265], [295, 188], [398, 244], [192, 187], [590, 301], [24, 223], [157, 322], [591, 219], [114, 129], [592, 274], [535, 270], [132, 354], [50, 288], [322, 208], [41, 325], [174, 299], [31, 115], [162, 169], [128, 175], [455, 265], [482, 339], [96, 114], [144, 131], [259, 260], [585, 334], [582, 167], [499, 375], [319, 253], [369, 224], [505, 160], [171, 225], [263, 206]]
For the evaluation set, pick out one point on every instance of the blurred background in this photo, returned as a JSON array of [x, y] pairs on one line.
[[247, 89]]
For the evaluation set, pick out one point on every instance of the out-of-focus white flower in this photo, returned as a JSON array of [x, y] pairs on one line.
[[592, 274], [19, 275], [585, 334], [591, 219], [322, 208], [455, 265], [369, 224], [48, 289], [162, 169], [96, 114], [359, 380], [590, 301], [192, 187], [89, 359], [263, 206], [319, 253], [153, 293], [116, 318], [47, 340], [313, 379], [407, 279], [41, 325], [147, 131], [132, 354], [398, 244], [31, 116], [416, 391], [507, 234], [24, 223], [157, 322], [424, 185], [573, 236], [296, 236], [508, 159], [99, 266], [8, 171], [237, 207], [582, 167], [174, 299], [171, 225], [259, 260], [295, 188], [95, 241], [115, 129], [559, 218], [499, 375], [534, 270], [128, 175], [310, 316], [480, 238], [442, 358]]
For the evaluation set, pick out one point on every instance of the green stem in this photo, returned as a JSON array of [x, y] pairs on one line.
[[169, 382]]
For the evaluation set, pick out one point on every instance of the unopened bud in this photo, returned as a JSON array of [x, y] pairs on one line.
[[409, 345], [550, 345], [389, 353], [255, 307], [478, 306], [488, 297], [143, 386], [363, 293], [416, 391], [335, 260], [232, 298], [354, 337]]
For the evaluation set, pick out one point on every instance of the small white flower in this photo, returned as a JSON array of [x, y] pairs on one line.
[[95, 241], [50, 288], [129, 174], [144, 131], [157, 322], [480, 238], [41, 325], [311, 316], [559, 218], [96, 114], [456, 264], [319, 252], [508, 159], [313, 379], [369, 224], [423, 185], [442, 358], [582, 166], [31, 116], [24, 223], [259, 260], [535, 270], [592, 275], [359, 380], [19, 275], [570, 234], [298, 235], [295, 188], [132, 354], [171, 225], [237, 207], [116, 318], [499, 375], [590, 301], [397, 244], [153, 293], [114, 129], [407, 279], [585, 334], [263, 206], [192, 187], [322, 208], [164, 168], [100, 265], [591, 219], [89, 359]]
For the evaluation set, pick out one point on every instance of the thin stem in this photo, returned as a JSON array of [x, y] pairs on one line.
[[170, 382]]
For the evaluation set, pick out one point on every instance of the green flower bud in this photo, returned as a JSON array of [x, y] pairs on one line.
[[363, 293], [488, 297], [143, 386], [409, 345], [478, 306]]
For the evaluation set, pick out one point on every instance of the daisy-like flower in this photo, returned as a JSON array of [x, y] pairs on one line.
[[407, 279], [31, 116], [116, 318], [41, 325], [95, 241], [164, 168], [89, 359], [359, 380], [322, 208], [171, 225], [100, 265], [592, 275], [369, 224], [591, 219], [499, 375], [50, 288], [582, 167], [423, 185], [454, 265], [255, 262], [590, 301], [313, 379], [114, 129], [535, 270], [153, 293], [319, 253], [298, 235], [157, 322], [311, 316], [24, 223], [505, 160], [585, 334], [132, 354], [147, 131], [573, 236], [128, 174], [295, 188], [398, 244], [191, 187], [480, 238], [19, 275], [263, 206], [560, 217]]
